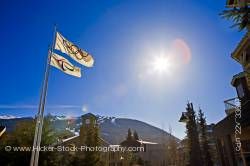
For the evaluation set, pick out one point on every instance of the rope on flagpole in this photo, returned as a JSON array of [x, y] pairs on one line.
[[39, 125]]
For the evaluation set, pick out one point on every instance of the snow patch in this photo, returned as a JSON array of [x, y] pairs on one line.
[[113, 121], [62, 117], [8, 117], [105, 134]]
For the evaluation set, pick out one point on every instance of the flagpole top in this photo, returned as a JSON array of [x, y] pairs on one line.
[[55, 28]]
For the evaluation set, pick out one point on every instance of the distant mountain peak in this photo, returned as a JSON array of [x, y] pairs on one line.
[[62, 117], [8, 117], [113, 129]]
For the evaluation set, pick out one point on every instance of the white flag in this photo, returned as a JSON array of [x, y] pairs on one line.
[[64, 65], [73, 51]]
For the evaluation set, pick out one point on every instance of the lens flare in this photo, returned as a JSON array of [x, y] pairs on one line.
[[182, 50]]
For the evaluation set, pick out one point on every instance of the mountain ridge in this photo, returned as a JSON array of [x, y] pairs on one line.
[[112, 129]]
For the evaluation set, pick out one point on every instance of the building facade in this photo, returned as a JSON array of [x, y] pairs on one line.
[[233, 132]]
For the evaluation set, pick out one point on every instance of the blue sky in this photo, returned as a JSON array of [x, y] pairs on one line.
[[122, 36]]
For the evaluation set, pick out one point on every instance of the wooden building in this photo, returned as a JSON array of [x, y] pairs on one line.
[[233, 132]]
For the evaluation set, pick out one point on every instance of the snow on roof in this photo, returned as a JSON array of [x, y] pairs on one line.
[[70, 138], [114, 145], [146, 142]]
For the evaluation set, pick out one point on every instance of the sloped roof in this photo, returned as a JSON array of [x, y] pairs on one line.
[[136, 143], [240, 45], [89, 115], [2, 130], [70, 138], [147, 142], [130, 143], [77, 137]]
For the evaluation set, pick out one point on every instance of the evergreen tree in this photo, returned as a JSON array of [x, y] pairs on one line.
[[172, 153], [204, 140], [135, 135], [239, 15], [90, 139], [22, 136], [193, 138], [92, 158], [129, 137], [140, 161]]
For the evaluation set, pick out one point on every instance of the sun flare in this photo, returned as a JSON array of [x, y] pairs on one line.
[[161, 64]]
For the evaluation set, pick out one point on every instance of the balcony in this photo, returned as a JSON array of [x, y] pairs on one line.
[[231, 105]]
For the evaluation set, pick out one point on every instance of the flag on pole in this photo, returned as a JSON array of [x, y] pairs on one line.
[[64, 65], [73, 51]]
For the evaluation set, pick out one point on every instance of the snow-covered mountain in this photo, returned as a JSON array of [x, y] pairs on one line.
[[8, 117], [114, 130], [62, 117]]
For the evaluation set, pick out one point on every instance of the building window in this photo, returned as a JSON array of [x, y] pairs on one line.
[[87, 121]]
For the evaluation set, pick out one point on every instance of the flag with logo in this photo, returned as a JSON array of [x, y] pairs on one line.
[[67, 47], [64, 65]]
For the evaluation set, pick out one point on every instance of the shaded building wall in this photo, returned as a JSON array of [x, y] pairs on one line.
[[155, 154]]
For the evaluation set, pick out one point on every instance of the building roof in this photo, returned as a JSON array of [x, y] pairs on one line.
[[76, 138], [146, 142], [103, 140], [130, 143], [237, 76], [2, 130], [244, 41], [89, 115], [70, 138], [136, 143], [225, 126], [114, 145]]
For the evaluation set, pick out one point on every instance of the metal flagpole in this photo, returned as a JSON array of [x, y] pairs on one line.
[[41, 116], [39, 124]]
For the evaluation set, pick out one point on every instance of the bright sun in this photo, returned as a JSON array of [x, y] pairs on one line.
[[161, 64]]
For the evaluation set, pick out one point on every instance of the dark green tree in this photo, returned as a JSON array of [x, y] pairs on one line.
[[140, 161], [92, 158], [193, 137], [239, 15], [129, 137], [171, 149], [22, 136], [135, 135], [204, 140]]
